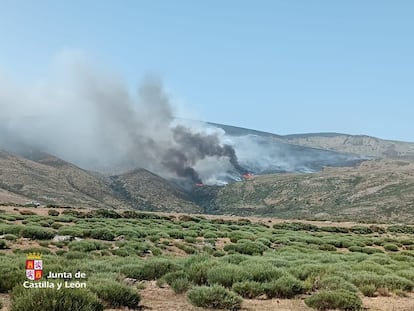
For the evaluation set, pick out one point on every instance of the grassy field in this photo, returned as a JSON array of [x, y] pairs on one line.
[[142, 260]]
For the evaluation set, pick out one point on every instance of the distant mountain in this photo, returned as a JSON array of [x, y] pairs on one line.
[[359, 145]]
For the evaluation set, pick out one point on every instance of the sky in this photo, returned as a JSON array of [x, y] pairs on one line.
[[279, 66]]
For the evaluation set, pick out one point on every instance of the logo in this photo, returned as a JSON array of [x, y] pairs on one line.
[[34, 266]]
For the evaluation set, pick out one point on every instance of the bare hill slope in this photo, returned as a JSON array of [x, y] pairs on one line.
[[51, 180], [377, 190]]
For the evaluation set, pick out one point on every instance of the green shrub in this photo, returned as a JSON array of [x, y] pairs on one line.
[[302, 272], [327, 247], [215, 297], [226, 274], [176, 234], [248, 289], [171, 276], [56, 225], [389, 281], [395, 282], [391, 247], [52, 212], [10, 237], [180, 285], [261, 271], [219, 253], [61, 252], [368, 265], [337, 299], [285, 287], [72, 231], [27, 212], [368, 290], [238, 235], [235, 258], [86, 246], [197, 272], [246, 247], [186, 248], [104, 213], [3, 244], [406, 273], [37, 233], [11, 229], [150, 269], [210, 235], [74, 255], [122, 252], [53, 300], [11, 275], [114, 293], [102, 234], [335, 283]]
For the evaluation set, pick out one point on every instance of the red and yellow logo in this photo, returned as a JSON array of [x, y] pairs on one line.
[[34, 266]]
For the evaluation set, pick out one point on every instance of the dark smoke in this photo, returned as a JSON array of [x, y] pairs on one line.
[[89, 117], [198, 146]]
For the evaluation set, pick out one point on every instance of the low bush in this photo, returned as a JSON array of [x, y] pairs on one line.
[[53, 300], [11, 275], [285, 287], [246, 247], [171, 276], [86, 246], [389, 281], [261, 271], [72, 231], [150, 269], [391, 247], [335, 283], [74, 255], [238, 235], [10, 237], [52, 212], [248, 289], [27, 212], [3, 244], [215, 297], [368, 290], [337, 299], [180, 285], [226, 274], [197, 271], [37, 233], [115, 294], [102, 234]]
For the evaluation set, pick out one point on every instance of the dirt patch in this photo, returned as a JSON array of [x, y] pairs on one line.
[[164, 299], [389, 303], [5, 299]]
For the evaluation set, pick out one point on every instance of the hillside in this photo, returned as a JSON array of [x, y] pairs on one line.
[[377, 190], [50, 180]]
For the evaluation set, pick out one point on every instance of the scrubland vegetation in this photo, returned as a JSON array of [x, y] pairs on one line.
[[215, 263]]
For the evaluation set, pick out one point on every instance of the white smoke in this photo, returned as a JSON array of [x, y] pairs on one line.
[[87, 116]]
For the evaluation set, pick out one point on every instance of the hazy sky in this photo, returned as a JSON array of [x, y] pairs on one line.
[[278, 66]]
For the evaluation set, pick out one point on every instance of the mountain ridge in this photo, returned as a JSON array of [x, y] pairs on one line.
[[381, 186]]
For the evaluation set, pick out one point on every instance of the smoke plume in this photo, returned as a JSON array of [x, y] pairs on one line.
[[87, 116]]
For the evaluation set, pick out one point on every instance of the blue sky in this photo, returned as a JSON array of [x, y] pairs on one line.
[[278, 66]]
